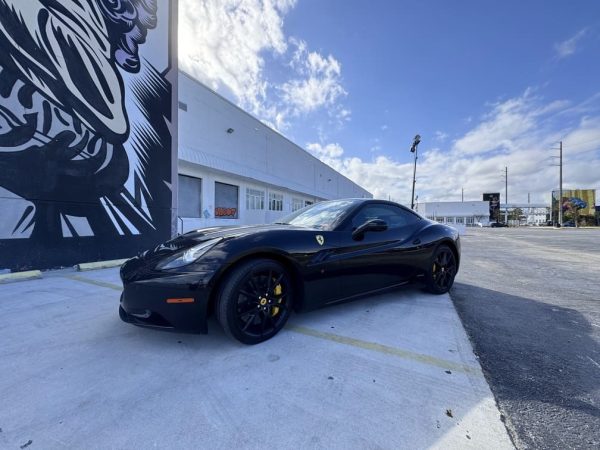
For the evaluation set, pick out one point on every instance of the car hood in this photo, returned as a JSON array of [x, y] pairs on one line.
[[196, 237], [204, 234], [145, 263]]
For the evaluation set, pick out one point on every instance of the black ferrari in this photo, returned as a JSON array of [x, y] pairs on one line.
[[252, 277]]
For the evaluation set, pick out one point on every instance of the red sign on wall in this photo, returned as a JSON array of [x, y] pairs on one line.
[[226, 212]]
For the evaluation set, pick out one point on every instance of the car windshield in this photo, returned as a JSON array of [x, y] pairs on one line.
[[322, 216]]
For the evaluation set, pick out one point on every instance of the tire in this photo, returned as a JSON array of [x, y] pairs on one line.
[[255, 301], [439, 278]]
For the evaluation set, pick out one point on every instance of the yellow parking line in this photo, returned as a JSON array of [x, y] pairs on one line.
[[96, 282], [366, 345], [373, 346]]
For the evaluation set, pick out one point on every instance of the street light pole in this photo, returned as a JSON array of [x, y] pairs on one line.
[[414, 149]]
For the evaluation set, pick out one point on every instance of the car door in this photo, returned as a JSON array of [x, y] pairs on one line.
[[379, 259]]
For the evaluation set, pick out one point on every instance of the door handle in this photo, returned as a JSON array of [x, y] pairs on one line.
[[416, 241]]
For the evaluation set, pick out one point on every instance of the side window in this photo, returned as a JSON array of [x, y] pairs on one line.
[[394, 216]]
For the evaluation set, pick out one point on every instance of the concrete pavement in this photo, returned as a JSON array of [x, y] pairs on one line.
[[391, 371]]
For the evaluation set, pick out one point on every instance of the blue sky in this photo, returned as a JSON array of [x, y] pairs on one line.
[[486, 84]]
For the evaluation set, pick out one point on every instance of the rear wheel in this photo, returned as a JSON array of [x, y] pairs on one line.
[[255, 301], [440, 277]]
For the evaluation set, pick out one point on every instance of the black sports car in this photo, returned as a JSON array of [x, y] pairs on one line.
[[252, 277]]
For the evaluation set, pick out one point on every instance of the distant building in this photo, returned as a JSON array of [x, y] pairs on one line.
[[536, 216], [469, 213]]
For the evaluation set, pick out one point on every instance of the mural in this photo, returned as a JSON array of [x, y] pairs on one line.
[[87, 116], [578, 206]]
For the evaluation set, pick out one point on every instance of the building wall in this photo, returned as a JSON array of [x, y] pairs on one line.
[[250, 154], [469, 212], [87, 114], [245, 216]]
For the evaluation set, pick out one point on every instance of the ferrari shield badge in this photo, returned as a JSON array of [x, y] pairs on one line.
[[320, 239]]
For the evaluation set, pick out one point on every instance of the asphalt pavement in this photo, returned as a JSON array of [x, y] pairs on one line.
[[529, 301]]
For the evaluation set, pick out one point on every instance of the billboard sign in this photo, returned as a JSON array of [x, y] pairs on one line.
[[494, 200]]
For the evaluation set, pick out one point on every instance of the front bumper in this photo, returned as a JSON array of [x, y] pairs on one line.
[[171, 302]]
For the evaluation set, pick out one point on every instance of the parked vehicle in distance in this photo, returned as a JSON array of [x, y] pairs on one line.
[[498, 225], [252, 277]]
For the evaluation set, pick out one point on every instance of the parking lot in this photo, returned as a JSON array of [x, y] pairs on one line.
[[392, 371], [528, 298]]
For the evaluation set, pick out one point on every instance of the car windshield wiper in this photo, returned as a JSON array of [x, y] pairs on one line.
[[280, 223]]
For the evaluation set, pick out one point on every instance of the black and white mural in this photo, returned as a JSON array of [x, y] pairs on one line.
[[87, 129]]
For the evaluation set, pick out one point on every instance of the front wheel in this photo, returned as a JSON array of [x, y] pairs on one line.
[[255, 301], [442, 270]]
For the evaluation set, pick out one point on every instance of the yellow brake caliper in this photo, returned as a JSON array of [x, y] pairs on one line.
[[277, 291]]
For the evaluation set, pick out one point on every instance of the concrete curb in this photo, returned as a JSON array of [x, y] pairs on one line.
[[100, 265], [20, 276]]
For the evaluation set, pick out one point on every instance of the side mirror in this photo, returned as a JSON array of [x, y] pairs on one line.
[[370, 225]]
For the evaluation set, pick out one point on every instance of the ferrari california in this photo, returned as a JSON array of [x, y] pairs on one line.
[[253, 277]]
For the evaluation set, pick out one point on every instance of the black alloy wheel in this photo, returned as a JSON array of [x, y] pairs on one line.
[[442, 271], [255, 301]]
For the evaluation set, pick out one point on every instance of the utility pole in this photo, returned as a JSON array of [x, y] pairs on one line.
[[462, 195], [560, 214], [505, 175], [560, 185]]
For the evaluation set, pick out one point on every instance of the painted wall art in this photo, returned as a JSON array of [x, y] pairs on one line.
[[87, 129]]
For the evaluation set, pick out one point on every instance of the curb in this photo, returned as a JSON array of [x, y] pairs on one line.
[[20, 276], [100, 265]]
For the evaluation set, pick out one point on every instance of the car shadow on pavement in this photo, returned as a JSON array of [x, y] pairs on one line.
[[216, 337], [532, 352]]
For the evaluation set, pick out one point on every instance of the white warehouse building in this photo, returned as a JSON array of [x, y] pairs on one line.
[[466, 213], [234, 170]]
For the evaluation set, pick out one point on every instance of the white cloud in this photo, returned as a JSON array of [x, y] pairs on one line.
[[585, 138], [222, 42], [329, 151], [471, 163], [225, 43], [569, 46], [500, 127], [384, 127], [318, 83], [440, 136]]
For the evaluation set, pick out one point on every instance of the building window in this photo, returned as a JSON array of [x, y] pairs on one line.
[[255, 199], [189, 196], [449, 219], [460, 220], [275, 201], [183, 106], [470, 220], [297, 203], [226, 201], [440, 220], [308, 203]]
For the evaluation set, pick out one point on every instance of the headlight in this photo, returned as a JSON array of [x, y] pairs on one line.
[[188, 256]]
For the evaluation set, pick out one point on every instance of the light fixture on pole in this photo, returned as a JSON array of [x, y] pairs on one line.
[[414, 149]]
